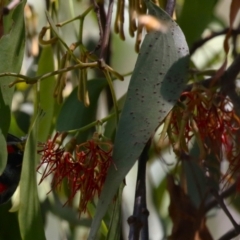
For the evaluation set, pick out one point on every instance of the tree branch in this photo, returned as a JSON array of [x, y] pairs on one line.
[[107, 29], [201, 42], [170, 6], [138, 222], [225, 209], [228, 83], [229, 235], [213, 202], [101, 19]]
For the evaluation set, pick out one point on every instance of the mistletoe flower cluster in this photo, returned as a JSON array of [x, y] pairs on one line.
[[84, 166], [209, 118]]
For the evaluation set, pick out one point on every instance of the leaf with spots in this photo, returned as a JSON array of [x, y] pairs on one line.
[[156, 84]]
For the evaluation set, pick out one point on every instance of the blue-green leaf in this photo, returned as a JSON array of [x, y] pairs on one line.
[[156, 84]]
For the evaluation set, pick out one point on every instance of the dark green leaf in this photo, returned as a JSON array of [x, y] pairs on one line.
[[47, 102], [22, 120], [156, 84], [192, 20], [11, 49], [14, 128], [198, 184], [74, 114], [30, 220], [9, 228]]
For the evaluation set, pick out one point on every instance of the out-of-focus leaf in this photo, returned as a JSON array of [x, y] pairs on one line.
[[160, 202], [188, 221], [195, 17], [74, 114], [14, 128], [66, 213], [30, 219], [9, 228], [3, 152], [156, 84], [23, 120], [11, 49], [198, 184], [47, 102]]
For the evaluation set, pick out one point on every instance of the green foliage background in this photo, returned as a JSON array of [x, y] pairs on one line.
[[34, 205]]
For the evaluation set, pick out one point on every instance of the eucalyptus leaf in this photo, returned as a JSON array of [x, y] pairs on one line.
[[74, 114], [110, 127], [115, 227], [11, 49], [156, 84], [30, 219], [47, 102]]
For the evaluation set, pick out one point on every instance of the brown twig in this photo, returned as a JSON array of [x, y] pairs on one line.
[[225, 209], [10, 6], [213, 202], [138, 222], [227, 82], [201, 42], [101, 19], [229, 235], [107, 29], [170, 6]]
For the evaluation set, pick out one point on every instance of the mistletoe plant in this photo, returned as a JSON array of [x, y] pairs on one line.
[[81, 159]]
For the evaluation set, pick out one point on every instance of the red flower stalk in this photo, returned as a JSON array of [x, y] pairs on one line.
[[85, 169]]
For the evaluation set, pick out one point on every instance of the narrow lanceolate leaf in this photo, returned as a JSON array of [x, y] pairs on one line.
[[30, 220], [3, 152], [156, 84], [47, 102], [11, 55], [11, 49]]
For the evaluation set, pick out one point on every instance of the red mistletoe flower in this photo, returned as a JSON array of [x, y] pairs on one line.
[[209, 118], [85, 168], [53, 158]]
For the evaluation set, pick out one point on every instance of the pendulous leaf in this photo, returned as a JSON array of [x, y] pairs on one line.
[[156, 84]]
